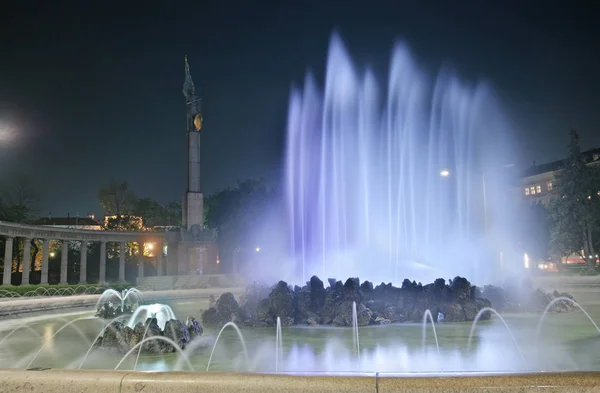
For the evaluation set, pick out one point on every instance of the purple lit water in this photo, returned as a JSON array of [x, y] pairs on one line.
[[365, 193]]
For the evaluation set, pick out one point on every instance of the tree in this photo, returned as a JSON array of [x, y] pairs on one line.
[[19, 201], [534, 232], [236, 214], [575, 209], [116, 198]]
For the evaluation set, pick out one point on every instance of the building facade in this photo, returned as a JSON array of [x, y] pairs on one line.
[[538, 182]]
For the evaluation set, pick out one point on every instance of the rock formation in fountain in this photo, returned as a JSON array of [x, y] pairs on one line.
[[519, 296], [120, 337], [314, 304]]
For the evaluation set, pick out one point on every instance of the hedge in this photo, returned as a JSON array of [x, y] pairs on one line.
[[59, 290]]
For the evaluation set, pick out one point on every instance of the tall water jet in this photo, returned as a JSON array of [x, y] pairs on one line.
[[355, 329], [363, 177], [278, 345]]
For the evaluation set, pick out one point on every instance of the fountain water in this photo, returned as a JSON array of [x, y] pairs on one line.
[[134, 295], [159, 338], [355, 329], [240, 336], [161, 312], [427, 314], [68, 324], [552, 303], [107, 326], [363, 176], [278, 344]]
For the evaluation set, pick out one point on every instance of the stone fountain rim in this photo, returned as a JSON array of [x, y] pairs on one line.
[[67, 380]]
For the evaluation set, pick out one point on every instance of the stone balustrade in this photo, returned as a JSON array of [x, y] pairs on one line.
[[11, 231]]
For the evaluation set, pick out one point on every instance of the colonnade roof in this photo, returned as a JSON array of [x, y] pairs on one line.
[[11, 229]]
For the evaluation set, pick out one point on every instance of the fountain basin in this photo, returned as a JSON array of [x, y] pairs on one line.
[[67, 381]]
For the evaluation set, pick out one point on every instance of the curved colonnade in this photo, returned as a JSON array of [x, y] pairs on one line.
[[11, 231]]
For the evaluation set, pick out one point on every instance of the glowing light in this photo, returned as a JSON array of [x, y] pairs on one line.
[[257, 249], [445, 173], [526, 261], [52, 254], [150, 246]]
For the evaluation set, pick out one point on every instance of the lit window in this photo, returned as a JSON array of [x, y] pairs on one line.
[[532, 190], [538, 189], [549, 186], [527, 191]]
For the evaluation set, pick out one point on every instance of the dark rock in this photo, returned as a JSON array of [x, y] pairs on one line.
[[281, 304], [178, 332], [226, 309], [317, 294], [194, 328]]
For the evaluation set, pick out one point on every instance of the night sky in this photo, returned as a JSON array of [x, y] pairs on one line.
[[94, 91]]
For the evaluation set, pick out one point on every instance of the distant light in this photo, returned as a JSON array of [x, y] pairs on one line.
[[52, 254], [218, 261], [150, 246], [7, 132], [257, 249], [526, 261], [445, 173]]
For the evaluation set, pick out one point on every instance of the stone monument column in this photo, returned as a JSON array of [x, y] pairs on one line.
[[26, 261], [83, 263], [64, 262], [193, 201], [8, 255], [45, 255]]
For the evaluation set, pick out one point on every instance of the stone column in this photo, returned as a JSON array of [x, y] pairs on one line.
[[121, 261], [141, 259], [8, 254], [45, 255], [26, 261], [102, 273], [160, 260], [83, 263], [64, 261]]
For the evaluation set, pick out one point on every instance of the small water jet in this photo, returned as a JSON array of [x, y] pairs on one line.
[[54, 335], [240, 336], [426, 315], [549, 306], [156, 338], [134, 296], [476, 320], [109, 325]]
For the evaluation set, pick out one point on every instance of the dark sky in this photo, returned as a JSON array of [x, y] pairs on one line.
[[96, 89]]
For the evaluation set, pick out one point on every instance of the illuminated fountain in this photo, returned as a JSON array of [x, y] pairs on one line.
[[125, 302], [161, 312], [394, 182], [408, 186]]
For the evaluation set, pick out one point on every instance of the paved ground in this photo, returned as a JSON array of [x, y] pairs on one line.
[[18, 306]]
